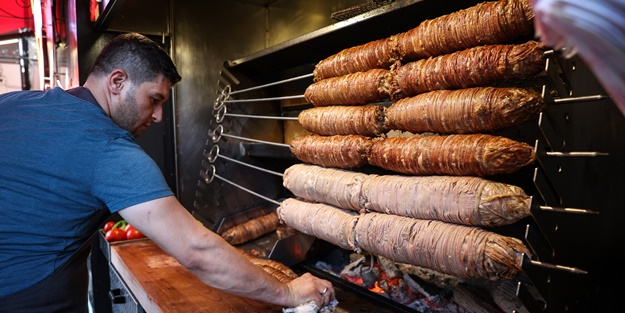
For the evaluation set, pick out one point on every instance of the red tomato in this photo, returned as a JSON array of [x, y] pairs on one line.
[[133, 233], [108, 226], [115, 234]]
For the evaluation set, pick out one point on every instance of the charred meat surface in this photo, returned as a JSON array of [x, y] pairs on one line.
[[478, 66], [489, 22], [339, 151], [367, 120], [251, 229], [461, 155], [470, 110]]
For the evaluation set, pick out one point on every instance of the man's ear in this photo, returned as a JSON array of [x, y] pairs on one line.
[[116, 81]]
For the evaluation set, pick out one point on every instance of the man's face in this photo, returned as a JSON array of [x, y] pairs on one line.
[[141, 105]]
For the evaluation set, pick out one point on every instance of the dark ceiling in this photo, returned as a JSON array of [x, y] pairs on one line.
[[146, 17]]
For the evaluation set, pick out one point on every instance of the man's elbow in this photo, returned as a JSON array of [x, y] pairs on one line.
[[191, 261], [198, 257]]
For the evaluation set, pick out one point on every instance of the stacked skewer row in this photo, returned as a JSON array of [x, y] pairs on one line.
[[442, 79], [450, 87]]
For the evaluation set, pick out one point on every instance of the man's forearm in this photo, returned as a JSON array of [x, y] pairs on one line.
[[213, 260], [237, 275]]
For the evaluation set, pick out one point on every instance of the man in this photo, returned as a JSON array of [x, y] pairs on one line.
[[69, 159]]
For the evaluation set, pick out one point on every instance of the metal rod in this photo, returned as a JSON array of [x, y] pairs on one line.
[[250, 165], [580, 99], [249, 191], [567, 210], [559, 267], [262, 117], [577, 154], [264, 99], [272, 84], [256, 140]]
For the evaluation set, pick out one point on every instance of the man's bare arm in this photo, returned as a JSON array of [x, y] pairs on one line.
[[213, 260]]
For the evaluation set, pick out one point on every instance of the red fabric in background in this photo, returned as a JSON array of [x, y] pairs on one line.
[[15, 15]]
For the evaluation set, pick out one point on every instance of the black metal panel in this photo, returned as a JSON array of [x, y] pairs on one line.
[[310, 48], [122, 299], [586, 241], [142, 16]]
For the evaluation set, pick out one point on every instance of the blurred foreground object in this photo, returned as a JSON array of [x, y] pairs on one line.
[[593, 29]]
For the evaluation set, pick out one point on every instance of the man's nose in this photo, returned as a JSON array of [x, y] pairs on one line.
[[157, 115]]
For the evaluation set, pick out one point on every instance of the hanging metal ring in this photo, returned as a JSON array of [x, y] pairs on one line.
[[215, 134], [223, 96], [208, 175], [213, 154], [220, 114]]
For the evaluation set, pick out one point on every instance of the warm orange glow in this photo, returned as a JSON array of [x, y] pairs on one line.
[[354, 280], [393, 282], [376, 288]]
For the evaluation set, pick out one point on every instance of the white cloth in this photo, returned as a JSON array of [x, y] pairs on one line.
[[594, 29], [311, 307]]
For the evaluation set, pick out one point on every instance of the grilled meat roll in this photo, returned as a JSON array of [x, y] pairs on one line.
[[470, 110], [460, 155]]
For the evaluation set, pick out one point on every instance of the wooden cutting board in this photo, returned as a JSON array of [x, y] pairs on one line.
[[161, 284]]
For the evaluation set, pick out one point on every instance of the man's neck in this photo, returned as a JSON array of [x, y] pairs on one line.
[[97, 87]]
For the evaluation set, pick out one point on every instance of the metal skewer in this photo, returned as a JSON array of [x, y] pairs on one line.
[[550, 99], [252, 166], [224, 95], [272, 84], [263, 117], [209, 178], [549, 52], [567, 210], [264, 99], [218, 133], [222, 112], [559, 267], [540, 149], [213, 154], [257, 140], [576, 154], [580, 99], [526, 260]]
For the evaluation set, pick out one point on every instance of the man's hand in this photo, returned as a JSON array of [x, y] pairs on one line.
[[308, 287]]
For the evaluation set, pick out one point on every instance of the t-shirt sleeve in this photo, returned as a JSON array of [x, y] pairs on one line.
[[125, 176]]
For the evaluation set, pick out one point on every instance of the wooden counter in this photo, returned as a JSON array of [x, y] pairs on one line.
[[161, 284]]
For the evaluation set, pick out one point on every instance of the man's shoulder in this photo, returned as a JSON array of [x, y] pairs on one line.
[[21, 94], [50, 95]]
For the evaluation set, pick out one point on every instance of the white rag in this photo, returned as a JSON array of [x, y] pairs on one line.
[[312, 307]]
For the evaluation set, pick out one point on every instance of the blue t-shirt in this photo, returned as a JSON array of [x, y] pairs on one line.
[[64, 164]]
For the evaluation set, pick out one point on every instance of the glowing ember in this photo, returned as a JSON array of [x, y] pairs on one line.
[[385, 279], [376, 288]]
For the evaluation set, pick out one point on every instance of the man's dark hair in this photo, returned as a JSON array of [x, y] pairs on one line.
[[140, 57]]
